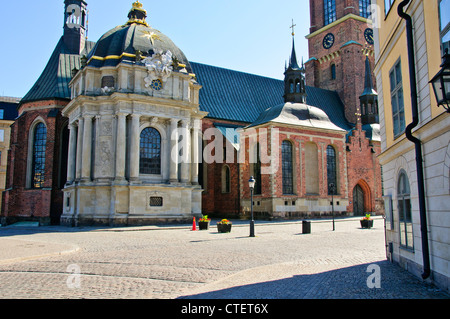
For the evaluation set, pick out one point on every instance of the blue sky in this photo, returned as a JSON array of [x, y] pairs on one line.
[[247, 35]]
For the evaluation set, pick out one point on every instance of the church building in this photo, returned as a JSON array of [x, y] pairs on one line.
[[128, 131]]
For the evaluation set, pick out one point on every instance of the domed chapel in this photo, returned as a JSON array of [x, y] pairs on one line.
[[118, 132]]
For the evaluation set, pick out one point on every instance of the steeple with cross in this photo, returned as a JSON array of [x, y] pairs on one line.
[[293, 27], [294, 78]]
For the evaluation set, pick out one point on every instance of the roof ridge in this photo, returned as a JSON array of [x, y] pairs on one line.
[[233, 70]]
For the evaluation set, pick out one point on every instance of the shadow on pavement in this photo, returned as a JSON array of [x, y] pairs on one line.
[[344, 283]]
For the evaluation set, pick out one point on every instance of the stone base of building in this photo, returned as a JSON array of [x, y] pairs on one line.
[[113, 205], [9, 220], [294, 208], [125, 221]]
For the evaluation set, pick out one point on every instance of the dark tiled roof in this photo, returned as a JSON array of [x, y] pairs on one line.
[[126, 39], [54, 80], [238, 96], [9, 110], [234, 95]]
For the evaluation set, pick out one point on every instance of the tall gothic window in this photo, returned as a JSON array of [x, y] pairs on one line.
[[329, 9], [364, 8], [257, 171], [150, 152], [404, 211], [331, 169], [287, 168], [39, 147]]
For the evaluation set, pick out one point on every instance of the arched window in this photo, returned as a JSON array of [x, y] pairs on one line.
[[333, 71], [38, 160], [297, 86], [257, 171], [331, 170], [291, 86], [150, 152], [404, 211], [287, 168]]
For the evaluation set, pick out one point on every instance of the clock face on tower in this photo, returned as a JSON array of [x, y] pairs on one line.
[[328, 41], [368, 35]]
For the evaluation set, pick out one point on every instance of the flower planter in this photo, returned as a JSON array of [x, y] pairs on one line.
[[203, 225], [224, 228], [366, 223]]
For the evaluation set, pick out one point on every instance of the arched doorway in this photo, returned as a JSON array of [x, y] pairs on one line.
[[362, 202], [358, 201]]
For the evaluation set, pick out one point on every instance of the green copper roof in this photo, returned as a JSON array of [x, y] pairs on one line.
[[54, 80], [237, 96]]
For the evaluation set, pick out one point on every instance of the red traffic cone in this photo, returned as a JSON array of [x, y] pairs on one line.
[[194, 226]]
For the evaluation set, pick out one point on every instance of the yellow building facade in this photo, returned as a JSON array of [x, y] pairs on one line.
[[405, 226]]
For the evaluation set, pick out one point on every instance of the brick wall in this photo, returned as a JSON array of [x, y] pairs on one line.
[[364, 169], [347, 54], [20, 200]]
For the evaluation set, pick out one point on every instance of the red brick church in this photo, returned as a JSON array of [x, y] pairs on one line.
[[318, 128]]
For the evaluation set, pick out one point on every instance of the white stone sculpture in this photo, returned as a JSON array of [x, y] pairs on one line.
[[159, 66]]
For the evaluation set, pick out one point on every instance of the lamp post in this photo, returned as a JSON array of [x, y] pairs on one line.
[[251, 184], [441, 83], [332, 201]]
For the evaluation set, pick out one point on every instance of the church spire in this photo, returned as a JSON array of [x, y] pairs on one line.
[[293, 60], [294, 78], [369, 98]]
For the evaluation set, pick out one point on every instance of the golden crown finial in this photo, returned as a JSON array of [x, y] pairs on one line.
[[137, 5], [137, 14]]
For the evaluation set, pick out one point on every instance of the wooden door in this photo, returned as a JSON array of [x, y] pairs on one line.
[[358, 201]]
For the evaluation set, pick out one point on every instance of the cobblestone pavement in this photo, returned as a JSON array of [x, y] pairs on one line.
[[167, 262]]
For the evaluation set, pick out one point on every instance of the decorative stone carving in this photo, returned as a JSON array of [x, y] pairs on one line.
[[159, 67]]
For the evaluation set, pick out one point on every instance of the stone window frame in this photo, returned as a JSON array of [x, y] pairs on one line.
[[335, 164], [164, 200], [156, 170], [405, 220], [397, 96], [288, 178], [165, 158]]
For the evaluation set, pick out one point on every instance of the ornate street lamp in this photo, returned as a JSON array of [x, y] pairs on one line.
[[441, 83], [251, 184]]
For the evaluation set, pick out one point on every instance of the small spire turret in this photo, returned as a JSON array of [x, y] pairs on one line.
[[294, 77]]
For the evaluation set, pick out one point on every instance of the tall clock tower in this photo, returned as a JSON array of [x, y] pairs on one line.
[[340, 39]]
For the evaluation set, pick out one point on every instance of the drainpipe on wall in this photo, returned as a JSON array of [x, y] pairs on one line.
[[416, 141]]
